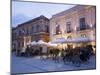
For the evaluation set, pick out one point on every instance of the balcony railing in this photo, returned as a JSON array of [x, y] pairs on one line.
[[85, 27], [69, 31]]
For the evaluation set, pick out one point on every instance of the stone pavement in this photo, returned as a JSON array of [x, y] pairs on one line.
[[35, 64]]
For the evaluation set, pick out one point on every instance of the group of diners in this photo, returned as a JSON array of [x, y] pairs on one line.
[[75, 55]]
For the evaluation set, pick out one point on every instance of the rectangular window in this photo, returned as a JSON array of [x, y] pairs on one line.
[[82, 23], [33, 29], [23, 31], [68, 27], [58, 29], [20, 32], [37, 28], [27, 31], [47, 28]]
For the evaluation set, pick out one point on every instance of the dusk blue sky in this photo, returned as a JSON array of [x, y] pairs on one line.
[[24, 11]]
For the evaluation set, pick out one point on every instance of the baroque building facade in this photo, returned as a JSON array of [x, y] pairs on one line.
[[33, 30], [76, 22]]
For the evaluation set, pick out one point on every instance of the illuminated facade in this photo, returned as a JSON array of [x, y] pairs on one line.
[[33, 30], [77, 22]]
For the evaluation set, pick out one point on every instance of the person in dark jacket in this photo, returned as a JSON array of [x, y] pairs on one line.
[[27, 51]]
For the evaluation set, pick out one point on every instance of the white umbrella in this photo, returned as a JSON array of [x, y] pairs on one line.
[[51, 44], [33, 43], [41, 42], [28, 43]]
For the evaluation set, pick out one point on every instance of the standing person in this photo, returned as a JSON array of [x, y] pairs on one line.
[[27, 50], [62, 53], [90, 49], [84, 54], [56, 55], [30, 50], [40, 52], [47, 53]]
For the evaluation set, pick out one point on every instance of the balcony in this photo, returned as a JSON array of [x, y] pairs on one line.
[[85, 27], [57, 33], [69, 31]]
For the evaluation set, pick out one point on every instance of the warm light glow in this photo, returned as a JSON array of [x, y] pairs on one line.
[[91, 25], [75, 28], [56, 25], [74, 46], [59, 32]]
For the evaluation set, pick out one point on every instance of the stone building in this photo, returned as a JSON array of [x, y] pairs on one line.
[[33, 30], [74, 23]]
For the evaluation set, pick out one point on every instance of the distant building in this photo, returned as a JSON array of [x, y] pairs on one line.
[[33, 30], [76, 22]]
